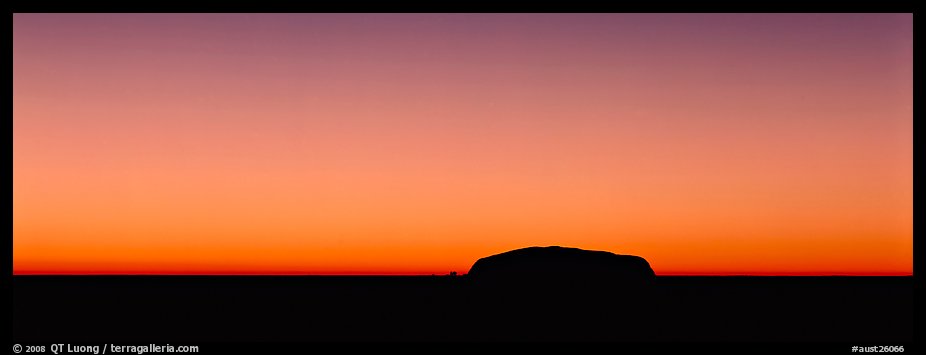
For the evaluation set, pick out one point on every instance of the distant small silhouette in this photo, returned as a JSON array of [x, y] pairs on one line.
[[561, 266]]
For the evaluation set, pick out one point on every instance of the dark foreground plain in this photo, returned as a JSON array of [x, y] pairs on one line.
[[412, 308]]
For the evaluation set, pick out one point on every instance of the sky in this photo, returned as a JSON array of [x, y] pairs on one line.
[[709, 144]]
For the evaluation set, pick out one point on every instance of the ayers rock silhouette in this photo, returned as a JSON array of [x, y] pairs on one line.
[[561, 265]]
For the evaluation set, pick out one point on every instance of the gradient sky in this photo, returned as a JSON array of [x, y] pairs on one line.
[[768, 144]]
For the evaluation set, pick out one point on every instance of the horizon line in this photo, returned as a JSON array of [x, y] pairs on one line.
[[398, 274]]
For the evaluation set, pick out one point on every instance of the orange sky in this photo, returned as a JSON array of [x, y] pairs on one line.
[[416, 144]]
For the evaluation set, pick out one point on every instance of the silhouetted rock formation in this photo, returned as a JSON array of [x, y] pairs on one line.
[[561, 293], [561, 266]]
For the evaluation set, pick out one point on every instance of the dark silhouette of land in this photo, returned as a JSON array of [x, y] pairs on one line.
[[557, 266], [569, 295]]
